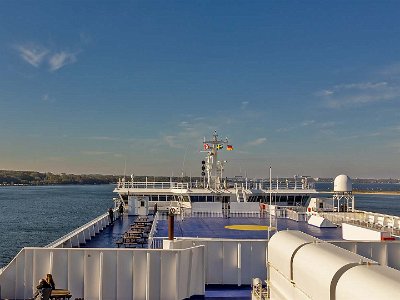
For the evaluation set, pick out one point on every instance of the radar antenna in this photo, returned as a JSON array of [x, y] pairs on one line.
[[214, 168]]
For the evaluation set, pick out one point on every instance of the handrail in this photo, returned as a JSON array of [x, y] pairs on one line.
[[152, 230], [78, 230], [366, 219], [152, 185], [256, 185]]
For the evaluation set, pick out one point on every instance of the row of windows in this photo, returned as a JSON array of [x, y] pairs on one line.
[[193, 198], [290, 200], [223, 199], [169, 198]]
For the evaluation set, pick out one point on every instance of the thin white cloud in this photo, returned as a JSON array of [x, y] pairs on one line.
[[324, 93], [356, 94], [32, 54], [61, 59], [257, 142], [46, 98], [308, 123], [244, 104], [36, 55], [361, 86]]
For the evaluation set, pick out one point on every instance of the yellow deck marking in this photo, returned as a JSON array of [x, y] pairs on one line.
[[249, 227]]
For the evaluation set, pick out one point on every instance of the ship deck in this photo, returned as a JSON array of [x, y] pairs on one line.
[[211, 227]]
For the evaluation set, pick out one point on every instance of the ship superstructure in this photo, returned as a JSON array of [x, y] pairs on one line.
[[214, 187]]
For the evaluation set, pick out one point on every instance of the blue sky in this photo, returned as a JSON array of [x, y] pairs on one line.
[[309, 87]]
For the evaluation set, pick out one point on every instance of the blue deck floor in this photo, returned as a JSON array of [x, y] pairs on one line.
[[215, 292], [210, 228], [111, 234], [215, 228]]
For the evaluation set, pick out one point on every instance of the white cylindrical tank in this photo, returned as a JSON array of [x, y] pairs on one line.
[[342, 184], [317, 267], [369, 282], [279, 256]]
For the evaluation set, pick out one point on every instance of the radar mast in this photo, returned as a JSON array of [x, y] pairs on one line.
[[214, 168]]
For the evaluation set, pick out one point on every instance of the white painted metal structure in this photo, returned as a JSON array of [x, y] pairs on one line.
[[343, 189], [382, 222], [230, 261], [386, 253], [320, 222], [353, 232], [136, 273], [303, 267], [138, 205], [208, 207], [342, 184], [241, 207], [96, 274], [214, 186], [214, 167], [368, 282]]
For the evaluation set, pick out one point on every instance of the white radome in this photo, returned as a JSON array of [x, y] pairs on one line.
[[342, 184]]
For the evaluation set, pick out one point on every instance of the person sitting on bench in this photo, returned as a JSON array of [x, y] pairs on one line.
[[43, 290]]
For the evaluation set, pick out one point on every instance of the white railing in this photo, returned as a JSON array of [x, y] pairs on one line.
[[386, 253], [108, 273], [153, 185], [211, 214], [83, 233], [157, 242], [258, 185], [249, 185], [227, 261], [153, 231], [230, 261], [298, 216], [366, 219]]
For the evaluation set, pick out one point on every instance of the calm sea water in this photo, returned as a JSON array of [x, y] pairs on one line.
[[38, 215], [35, 216]]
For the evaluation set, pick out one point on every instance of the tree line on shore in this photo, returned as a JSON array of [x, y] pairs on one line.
[[8, 177]]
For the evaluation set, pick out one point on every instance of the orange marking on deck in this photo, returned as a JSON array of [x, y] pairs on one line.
[[249, 227]]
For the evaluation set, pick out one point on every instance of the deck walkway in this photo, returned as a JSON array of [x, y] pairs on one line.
[[111, 234], [214, 227], [210, 227]]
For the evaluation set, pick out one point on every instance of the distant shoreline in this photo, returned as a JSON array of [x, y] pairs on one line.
[[377, 192], [368, 192]]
